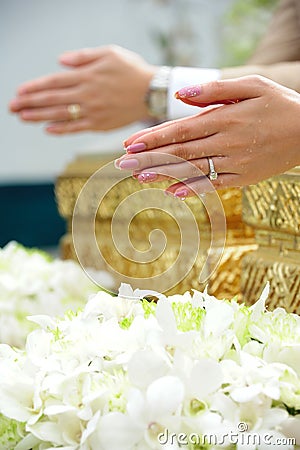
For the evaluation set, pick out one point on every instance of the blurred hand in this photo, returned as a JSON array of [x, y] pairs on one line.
[[109, 84], [253, 137]]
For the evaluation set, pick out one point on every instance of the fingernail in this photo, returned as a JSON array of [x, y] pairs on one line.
[[14, 103], [128, 164], [67, 57], [22, 90], [26, 115], [117, 163], [147, 177], [191, 91], [181, 193], [135, 148]]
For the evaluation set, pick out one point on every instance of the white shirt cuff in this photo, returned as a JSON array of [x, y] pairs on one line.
[[186, 76]]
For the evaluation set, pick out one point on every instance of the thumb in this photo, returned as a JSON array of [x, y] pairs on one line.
[[222, 91], [80, 57]]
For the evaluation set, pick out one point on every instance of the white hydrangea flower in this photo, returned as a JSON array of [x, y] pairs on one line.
[[32, 283], [125, 373]]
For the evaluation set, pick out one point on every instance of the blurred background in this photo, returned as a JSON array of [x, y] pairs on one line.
[[33, 33]]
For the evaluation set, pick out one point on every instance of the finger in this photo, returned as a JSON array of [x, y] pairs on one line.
[[72, 126], [202, 185], [178, 131], [53, 114], [55, 81], [171, 154], [223, 91], [44, 98], [154, 129], [83, 56], [189, 169], [140, 133]]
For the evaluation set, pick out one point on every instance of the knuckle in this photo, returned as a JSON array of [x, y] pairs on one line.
[[258, 79], [112, 50], [216, 86], [155, 139], [54, 81], [258, 82], [49, 97], [181, 131], [181, 151]]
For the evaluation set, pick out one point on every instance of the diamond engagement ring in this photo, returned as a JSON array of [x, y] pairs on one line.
[[212, 175], [74, 111]]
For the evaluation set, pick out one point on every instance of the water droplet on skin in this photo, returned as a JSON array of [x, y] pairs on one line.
[[287, 163], [254, 141], [163, 136], [183, 136], [259, 121], [205, 133], [267, 105], [173, 140]]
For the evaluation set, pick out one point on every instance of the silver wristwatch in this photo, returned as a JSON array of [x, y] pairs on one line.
[[157, 95]]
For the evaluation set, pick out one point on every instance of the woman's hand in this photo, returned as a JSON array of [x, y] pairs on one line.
[[254, 135], [108, 83]]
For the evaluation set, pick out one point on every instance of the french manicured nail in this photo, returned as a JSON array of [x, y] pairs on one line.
[[186, 92], [135, 148], [147, 177], [128, 164], [181, 193]]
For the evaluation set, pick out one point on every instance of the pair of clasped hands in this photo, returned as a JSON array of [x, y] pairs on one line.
[[251, 134]]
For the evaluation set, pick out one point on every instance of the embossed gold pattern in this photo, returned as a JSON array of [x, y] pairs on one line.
[[225, 281], [272, 208]]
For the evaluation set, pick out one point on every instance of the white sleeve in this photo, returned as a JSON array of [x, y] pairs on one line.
[[186, 76]]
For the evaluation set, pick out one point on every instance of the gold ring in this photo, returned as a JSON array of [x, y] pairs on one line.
[[74, 111]]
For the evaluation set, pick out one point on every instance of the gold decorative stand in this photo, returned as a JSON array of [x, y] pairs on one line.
[[224, 282], [272, 208]]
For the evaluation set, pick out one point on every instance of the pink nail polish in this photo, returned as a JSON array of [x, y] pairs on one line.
[[128, 164], [135, 148], [147, 177], [191, 91], [181, 193]]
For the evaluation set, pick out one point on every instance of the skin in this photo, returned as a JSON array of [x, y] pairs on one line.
[[109, 83], [250, 140]]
